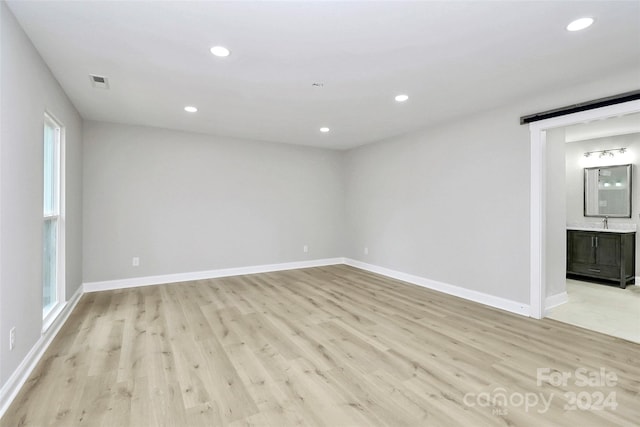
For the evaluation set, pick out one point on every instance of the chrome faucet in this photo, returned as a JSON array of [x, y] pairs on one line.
[[605, 221]]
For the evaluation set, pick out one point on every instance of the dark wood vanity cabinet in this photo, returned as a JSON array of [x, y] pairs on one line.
[[602, 255]]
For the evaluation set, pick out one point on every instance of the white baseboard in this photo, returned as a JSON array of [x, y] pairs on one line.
[[482, 298], [554, 301], [201, 275], [10, 389], [471, 295]]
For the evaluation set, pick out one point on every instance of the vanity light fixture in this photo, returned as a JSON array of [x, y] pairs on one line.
[[190, 109], [401, 98], [604, 153], [324, 129]]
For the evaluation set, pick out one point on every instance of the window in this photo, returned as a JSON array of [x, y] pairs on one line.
[[53, 236]]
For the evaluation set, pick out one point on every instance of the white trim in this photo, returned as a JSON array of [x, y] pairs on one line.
[[51, 316], [58, 216], [62, 212], [554, 301], [537, 225], [538, 194], [10, 389], [480, 297], [486, 299], [468, 294], [201, 275]]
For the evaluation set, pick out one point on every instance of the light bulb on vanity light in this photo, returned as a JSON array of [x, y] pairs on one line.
[[612, 152]]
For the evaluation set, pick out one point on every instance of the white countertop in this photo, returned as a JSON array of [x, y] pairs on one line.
[[598, 226]]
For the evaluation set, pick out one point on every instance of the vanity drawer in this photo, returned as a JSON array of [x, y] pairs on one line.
[[594, 270]]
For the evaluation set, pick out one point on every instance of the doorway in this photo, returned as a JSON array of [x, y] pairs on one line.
[[597, 148], [539, 220]]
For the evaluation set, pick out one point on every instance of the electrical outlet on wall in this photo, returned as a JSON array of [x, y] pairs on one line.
[[12, 338], [135, 261], [366, 250], [305, 249]]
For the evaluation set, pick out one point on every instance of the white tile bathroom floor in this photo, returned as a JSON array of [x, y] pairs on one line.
[[607, 309]]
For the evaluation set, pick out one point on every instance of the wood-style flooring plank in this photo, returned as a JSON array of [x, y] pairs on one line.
[[327, 346]]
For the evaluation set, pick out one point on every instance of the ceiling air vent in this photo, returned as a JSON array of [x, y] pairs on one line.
[[99, 82]]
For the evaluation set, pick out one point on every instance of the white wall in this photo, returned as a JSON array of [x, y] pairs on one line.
[[451, 203], [28, 89], [556, 208], [186, 202], [576, 162]]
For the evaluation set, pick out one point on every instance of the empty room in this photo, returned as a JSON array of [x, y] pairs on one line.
[[319, 213]]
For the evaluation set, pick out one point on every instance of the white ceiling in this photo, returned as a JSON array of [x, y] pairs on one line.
[[450, 57], [622, 125]]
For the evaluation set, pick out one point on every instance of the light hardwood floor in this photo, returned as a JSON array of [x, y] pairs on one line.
[[329, 346]]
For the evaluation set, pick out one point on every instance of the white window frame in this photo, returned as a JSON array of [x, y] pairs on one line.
[[52, 312]]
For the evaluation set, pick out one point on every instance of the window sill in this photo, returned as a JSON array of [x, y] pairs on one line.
[[52, 315]]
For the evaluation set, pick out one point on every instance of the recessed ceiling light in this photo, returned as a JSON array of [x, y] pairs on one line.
[[220, 51], [402, 98], [190, 109], [324, 130], [580, 24]]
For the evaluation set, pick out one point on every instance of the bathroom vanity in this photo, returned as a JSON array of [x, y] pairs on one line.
[[603, 254], [601, 250]]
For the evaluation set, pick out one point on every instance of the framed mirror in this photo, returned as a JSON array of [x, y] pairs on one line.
[[607, 191]]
